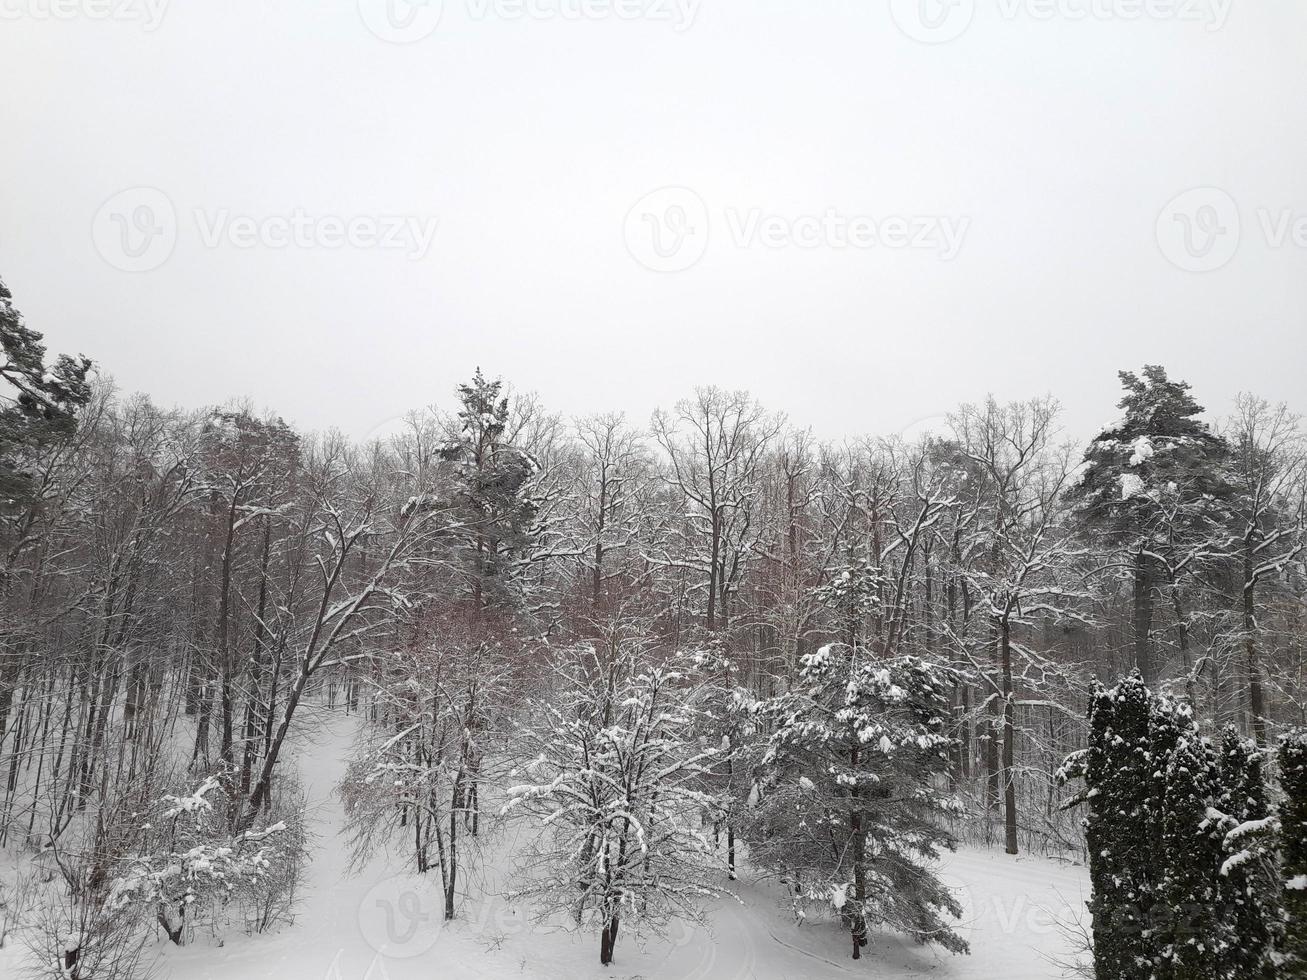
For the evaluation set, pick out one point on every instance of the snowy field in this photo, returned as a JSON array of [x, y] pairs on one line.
[[378, 924]]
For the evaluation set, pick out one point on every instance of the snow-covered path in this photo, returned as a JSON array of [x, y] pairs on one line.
[[383, 926]]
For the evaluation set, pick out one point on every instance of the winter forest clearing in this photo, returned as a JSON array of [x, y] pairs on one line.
[[385, 922], [509, 694]]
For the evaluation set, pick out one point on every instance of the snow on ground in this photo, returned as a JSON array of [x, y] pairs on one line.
[[380, 925]]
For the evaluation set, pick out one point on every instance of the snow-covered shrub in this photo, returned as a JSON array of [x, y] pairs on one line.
[[849, 813], [79, 938], [613, 773], [272, 899], [17, 898], [190, 866]]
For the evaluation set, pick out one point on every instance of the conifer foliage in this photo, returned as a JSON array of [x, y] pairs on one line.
[[1251, 885], [1118, 771], [1193, 928], [1182, 844], [850, 815], [38, 404], [1293, 819], [1152, 485]]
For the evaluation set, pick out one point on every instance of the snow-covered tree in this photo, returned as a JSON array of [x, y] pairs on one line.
[[1181, 843], [615, 480], [1251, 876], [38, 402], [489, 492], [728, 720], [415, 781], [614, 775], [849, 813], [1267, 463], [1015, 551], [1293, 824], [1150, 484], [1119, 770], [1191, 931], [715, 443]]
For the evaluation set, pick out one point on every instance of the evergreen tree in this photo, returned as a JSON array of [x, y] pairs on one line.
[[40, 402], [1151, 483], [851, 815], [1179, 833], [1293, 825], [490, 492], [1250, 872], [1118, 770], [1190, 932]]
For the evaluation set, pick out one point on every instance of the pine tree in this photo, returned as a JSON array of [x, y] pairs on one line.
[[1191, 931], [1151, 481], [1250, 873], [41, 403], [851, 815], [1293, 825], [490, 492]]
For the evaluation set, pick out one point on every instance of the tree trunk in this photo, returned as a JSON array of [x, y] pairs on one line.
[[1143, 619], [608, 941], [858, 925], [1009, 738], [451, 878], [1256, 698]]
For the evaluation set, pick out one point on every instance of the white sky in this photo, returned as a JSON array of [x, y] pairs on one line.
[[1058, 139]]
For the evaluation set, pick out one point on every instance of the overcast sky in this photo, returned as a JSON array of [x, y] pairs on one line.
[[863, 211]]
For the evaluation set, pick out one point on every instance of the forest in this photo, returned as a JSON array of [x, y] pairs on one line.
[[663, 649]]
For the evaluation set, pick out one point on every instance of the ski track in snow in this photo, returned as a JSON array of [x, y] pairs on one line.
[[1010, 905]]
